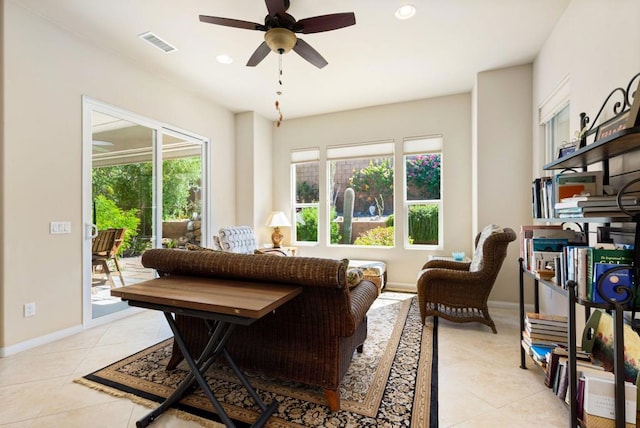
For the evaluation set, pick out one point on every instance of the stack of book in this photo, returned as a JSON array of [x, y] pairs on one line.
[[596, 206], [546, 330]]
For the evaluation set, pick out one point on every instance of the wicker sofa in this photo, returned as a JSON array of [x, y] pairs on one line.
[[310, 339]]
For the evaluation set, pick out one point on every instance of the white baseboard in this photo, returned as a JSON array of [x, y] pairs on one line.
[[401, 287], [411, 288], [42, 340], [48, 338], [528, 307]]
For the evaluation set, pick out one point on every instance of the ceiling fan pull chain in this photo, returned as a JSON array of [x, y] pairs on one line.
[[279, 92]]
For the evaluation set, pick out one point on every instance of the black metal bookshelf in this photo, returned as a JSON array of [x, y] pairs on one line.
[[614, 144]]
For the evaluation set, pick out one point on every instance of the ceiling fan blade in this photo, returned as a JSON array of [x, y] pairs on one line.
[[259, 54], [227, 22], [318, 24], [305, 50], [277, 7]]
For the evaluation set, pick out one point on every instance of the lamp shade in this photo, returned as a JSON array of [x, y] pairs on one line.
[[278, 219]]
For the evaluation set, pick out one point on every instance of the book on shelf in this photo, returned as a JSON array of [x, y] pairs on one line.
[[545, 328], [552, 341], [598, 201], [604, 255], [540, 318], [580, 355], [536, 204], [541, 353], [552, 365], [529, 233], [549, 244], [610, 280], [563, 379], [592, 214], [580, 398], [567, 185], [599, 398], [581, 211], [542, 197], [577, 264], [560, 336]]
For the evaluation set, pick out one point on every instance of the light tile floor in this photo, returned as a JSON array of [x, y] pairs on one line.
[[480, 383]]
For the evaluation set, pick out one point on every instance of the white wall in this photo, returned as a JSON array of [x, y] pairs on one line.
[[253, 173], [46, 72], [502, 146], [450, 116], [595, 44]]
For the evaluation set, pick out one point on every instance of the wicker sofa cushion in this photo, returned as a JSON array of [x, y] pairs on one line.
[[221, 264], [476, 263]]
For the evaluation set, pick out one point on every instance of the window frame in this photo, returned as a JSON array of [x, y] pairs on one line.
[[301, 157], [557, 101], [414, 146], [367, 150]]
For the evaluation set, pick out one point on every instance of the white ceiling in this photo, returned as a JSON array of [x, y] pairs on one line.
[[380, 60]]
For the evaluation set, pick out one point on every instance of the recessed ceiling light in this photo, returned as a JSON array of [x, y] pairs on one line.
[[405, 12], [224, 59]]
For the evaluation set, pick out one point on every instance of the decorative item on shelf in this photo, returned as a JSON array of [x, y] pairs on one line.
[[458, 255], [546, 274], [567, 148], [626, 114], [277, 219]]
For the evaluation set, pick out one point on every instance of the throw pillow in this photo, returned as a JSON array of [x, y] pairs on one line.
[[354, 276], [476, 263]]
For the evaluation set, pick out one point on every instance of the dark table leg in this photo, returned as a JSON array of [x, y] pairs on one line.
[[217, 340]]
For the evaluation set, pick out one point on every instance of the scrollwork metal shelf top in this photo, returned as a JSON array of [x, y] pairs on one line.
[[614, 137], [616, 144]]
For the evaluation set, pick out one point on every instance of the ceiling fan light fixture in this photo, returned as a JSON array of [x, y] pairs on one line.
[[405, 12], [280, 40]]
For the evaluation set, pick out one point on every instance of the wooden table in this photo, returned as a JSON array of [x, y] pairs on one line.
[[222, 304]]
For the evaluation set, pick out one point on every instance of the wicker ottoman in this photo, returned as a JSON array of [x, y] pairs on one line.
[[373, 270]]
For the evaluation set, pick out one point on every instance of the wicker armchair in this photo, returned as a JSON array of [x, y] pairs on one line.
[[458, 291]]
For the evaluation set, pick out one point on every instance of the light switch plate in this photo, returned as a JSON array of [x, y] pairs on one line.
[[59, 227]]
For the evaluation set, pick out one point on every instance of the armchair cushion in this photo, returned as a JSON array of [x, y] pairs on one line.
[[476, 262]]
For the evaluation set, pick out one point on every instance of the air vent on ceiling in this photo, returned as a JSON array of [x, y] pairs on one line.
[[157, 42]]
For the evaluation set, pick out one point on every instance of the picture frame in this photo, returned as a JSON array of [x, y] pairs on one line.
[[566, 150], [610, 127]]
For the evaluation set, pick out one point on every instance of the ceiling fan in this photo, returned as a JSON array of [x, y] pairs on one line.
[[280, 28]]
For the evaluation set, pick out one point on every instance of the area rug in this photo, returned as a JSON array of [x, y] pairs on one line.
[[389, 384]]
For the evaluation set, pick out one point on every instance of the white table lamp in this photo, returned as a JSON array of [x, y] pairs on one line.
[[277, 219]]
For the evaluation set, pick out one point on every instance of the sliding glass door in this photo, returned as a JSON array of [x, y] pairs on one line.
[[145, 187]]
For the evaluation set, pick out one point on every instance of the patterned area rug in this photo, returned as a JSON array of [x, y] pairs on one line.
[[389, 384]]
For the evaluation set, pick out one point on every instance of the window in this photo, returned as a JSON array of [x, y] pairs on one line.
[[557, 132], [423, 190], [360, 183], [554, 117], [305, 168]]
